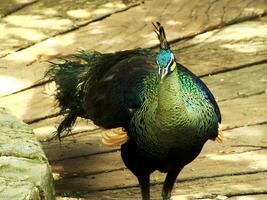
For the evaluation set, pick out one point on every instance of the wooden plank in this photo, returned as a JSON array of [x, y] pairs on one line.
[[7, 7], [244, 111], [114, 33], [250, 197], [236, 84], [205, 188], [210, 197], [31, 104], [48, 18], [242, 197], [77, 145], [224, 48], [45, 129]]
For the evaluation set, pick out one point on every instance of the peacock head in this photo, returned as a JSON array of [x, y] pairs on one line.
[[166, 62], [165, 59]]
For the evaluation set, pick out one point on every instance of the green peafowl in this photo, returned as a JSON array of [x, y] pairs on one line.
[[156, 109]]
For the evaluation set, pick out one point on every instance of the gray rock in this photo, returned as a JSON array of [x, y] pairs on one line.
[[24, 170]]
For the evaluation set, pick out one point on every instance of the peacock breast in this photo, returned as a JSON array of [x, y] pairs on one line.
[[178, 118], [160, 139]]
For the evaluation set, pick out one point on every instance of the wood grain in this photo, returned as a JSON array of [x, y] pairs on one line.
[[47, 18], [8, 7], [223, 49], [208, 188]]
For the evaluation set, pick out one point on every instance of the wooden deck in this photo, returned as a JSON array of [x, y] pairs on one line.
[[222, 41]]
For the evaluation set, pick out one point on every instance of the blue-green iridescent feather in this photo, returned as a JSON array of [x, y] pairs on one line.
[[189, 117]]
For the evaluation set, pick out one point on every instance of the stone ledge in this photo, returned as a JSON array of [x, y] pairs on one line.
[[24, 170], [18, 190]]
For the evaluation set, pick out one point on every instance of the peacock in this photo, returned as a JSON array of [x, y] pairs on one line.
[[155, 108]]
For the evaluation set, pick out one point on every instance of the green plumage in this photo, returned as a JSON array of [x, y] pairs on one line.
[[177, 115], [167, 111]]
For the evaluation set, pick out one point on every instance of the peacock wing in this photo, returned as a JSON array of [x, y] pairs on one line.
[[116, 89]]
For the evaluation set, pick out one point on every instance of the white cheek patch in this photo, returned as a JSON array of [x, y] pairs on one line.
[[164, 71]]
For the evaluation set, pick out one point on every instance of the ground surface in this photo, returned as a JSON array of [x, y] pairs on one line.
[[223, 41]]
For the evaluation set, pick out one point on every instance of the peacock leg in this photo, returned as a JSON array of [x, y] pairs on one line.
[[169, 183], [144, 182]]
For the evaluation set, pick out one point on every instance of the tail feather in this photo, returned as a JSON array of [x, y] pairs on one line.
[[66, 124], [77, 75], [69, 93]]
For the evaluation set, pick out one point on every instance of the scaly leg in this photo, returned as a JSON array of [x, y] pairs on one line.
[[169, 183], [144, 182]]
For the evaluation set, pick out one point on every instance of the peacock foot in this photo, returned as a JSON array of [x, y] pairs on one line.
[[219, 138], [166, 196], [114, 137]]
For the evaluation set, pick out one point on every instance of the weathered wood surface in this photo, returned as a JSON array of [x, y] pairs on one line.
[[223, 49], [182, 20], [8, 7], [45, 18], [222, 41], [248, 197], [205, 188]]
